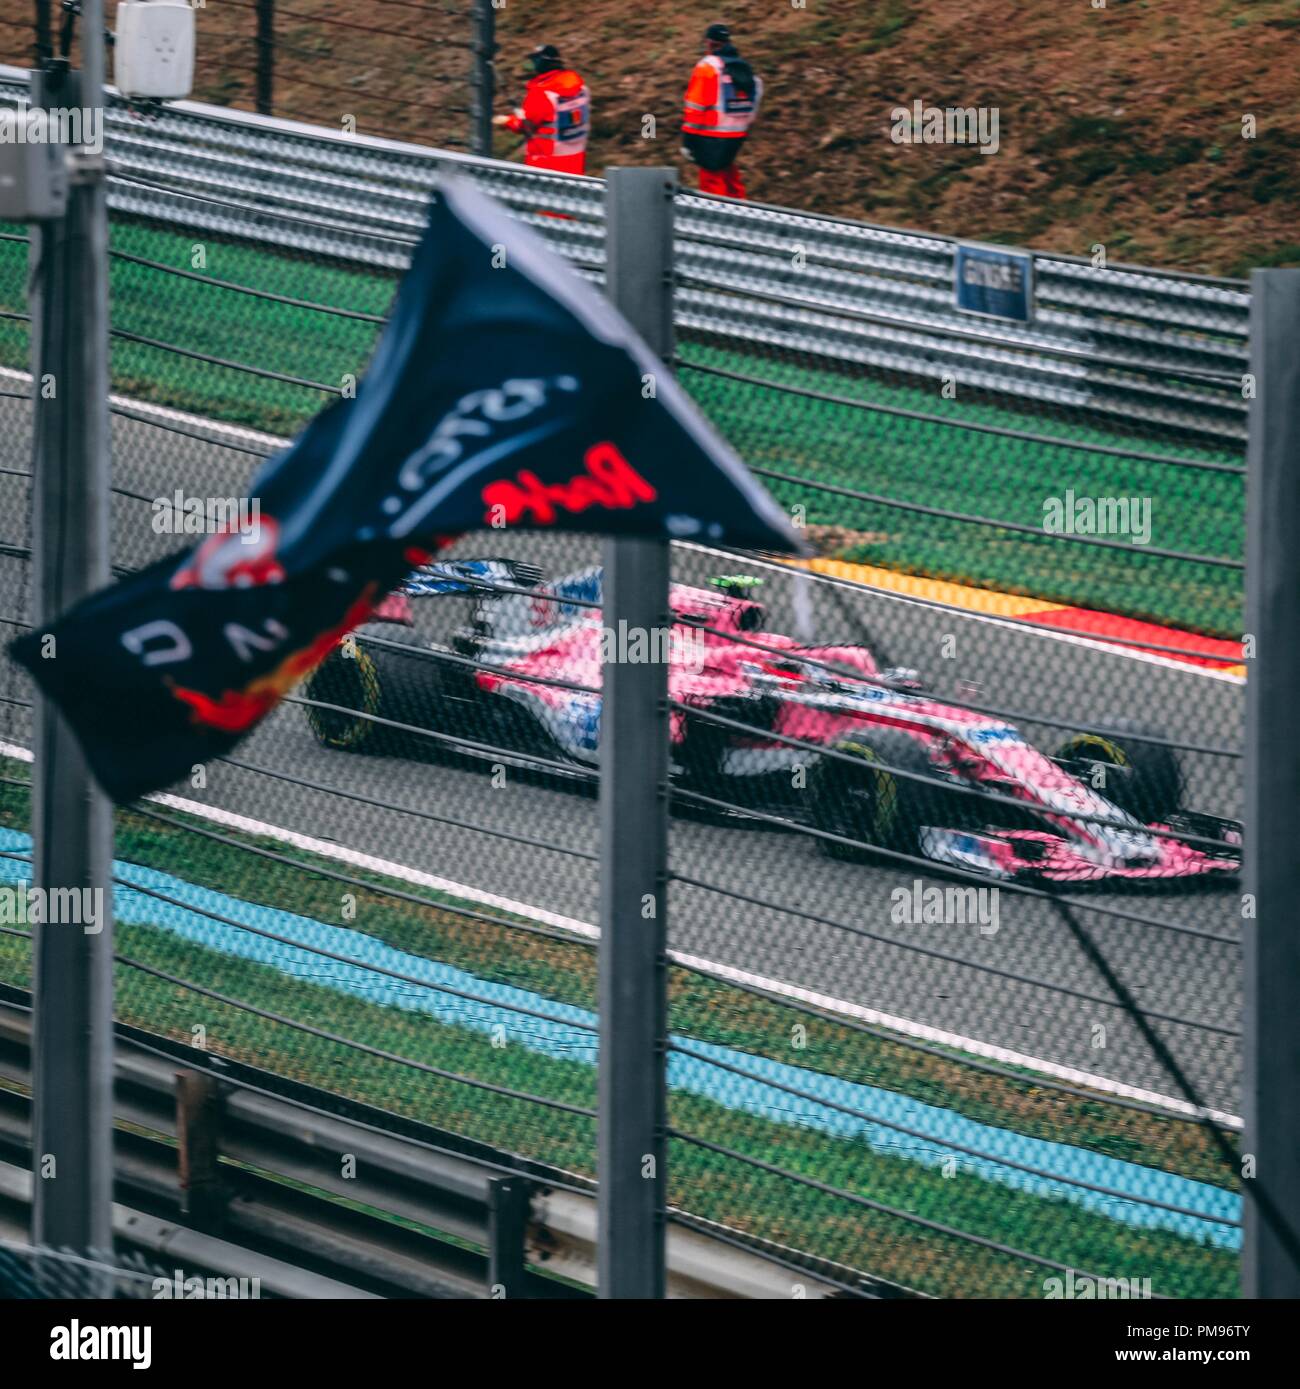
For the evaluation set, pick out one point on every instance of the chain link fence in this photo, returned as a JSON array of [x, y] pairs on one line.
[[28, 1273], [954, 919], [323, 64]]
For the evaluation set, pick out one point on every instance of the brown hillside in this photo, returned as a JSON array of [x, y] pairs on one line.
[[1120, 125]]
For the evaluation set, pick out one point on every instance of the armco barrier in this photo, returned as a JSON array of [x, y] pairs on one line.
[[526, 1220]]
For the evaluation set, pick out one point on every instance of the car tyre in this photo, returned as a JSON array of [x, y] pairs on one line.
[[859, 797], [353, 684], [1144, 779]]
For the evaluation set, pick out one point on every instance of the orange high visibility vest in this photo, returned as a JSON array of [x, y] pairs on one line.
[[715, 106], [557, 115]]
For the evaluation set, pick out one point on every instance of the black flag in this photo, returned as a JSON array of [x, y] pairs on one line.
[[504, 392]]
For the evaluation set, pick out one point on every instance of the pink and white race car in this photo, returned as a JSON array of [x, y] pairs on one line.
[[762, 724]]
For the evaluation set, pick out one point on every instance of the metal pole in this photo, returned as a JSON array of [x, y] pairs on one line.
[[1272, 865], [265, 98], [483, 77], [632, 967], [44, 34], [71, 820]]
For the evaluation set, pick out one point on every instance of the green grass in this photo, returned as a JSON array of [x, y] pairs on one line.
[[932, 463], [924, 462], [703, 1183]]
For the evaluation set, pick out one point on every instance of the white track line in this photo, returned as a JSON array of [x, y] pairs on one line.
[[273, 441], [920, 1031]]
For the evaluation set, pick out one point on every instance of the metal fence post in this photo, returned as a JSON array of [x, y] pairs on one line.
[[634, 809], [509, 1202], [483, 77], [71, 820], [1272, 866], [44, 34], [265, 98]]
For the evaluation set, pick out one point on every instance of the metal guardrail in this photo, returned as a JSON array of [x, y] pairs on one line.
[[275, 1208], [1161, 350]]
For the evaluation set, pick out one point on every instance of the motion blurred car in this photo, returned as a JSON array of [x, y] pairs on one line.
[[827, 736]]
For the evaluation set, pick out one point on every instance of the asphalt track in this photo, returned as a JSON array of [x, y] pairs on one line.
[[808, 921]]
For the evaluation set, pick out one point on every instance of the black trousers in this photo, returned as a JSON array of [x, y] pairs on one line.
[[712, 153]]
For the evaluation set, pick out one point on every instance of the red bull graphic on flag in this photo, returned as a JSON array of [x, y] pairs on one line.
[[452, 429]]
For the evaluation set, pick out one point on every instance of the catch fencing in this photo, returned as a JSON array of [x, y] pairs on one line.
[[390, 890], [340, 70]]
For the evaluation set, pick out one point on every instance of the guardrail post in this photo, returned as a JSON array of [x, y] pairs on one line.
[[634, 808], [265, 97], [483, 77], [72, 844], [508, 1206], [198, 1135], [1272, 866]]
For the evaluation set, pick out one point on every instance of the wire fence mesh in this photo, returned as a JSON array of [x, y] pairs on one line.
[[946, 860], [38, 1272], [319, 63]]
